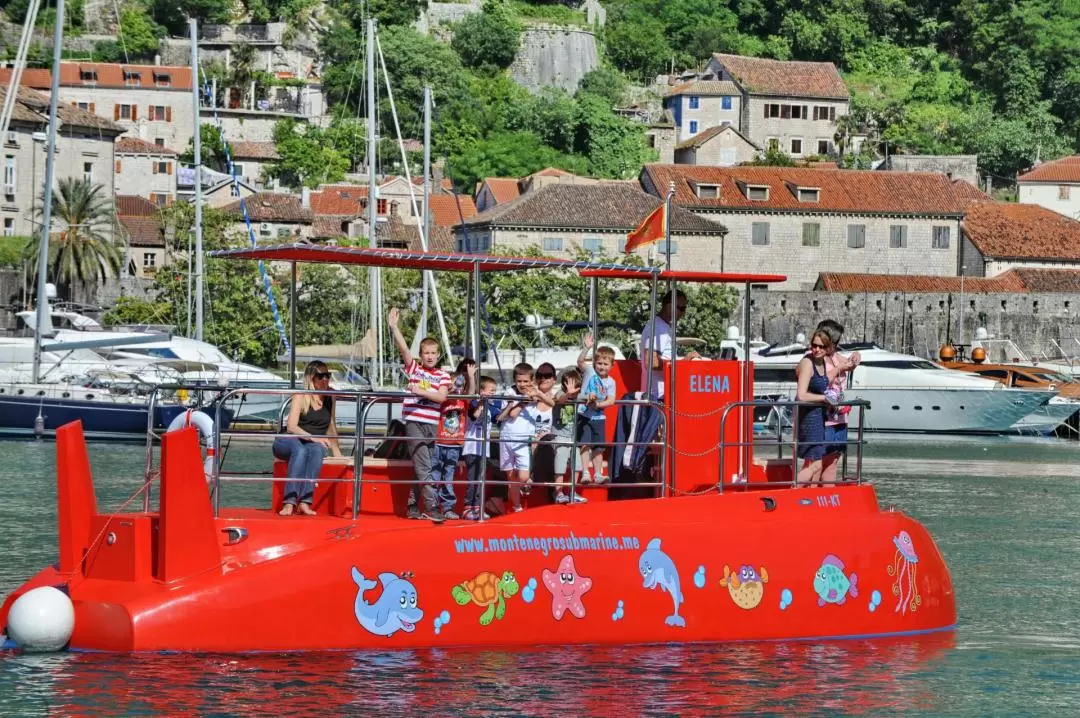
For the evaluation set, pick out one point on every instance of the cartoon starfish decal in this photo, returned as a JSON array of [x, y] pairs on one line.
[[567, 587]]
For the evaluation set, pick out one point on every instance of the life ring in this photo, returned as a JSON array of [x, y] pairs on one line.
[[201, 421]]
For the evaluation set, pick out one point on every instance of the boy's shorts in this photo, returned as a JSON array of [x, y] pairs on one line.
[[591, 432], [515, 455]]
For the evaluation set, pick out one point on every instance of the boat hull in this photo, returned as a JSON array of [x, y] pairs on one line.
[[755, 565]]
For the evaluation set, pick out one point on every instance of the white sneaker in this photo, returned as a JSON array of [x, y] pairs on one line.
[[562, 499], [578, 499]]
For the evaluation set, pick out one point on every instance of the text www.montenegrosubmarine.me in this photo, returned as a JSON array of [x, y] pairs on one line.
[[545, 544]]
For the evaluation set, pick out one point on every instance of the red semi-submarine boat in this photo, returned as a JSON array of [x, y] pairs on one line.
[[716, 545]]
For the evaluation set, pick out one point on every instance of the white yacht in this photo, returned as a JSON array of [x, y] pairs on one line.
[[906, 393]]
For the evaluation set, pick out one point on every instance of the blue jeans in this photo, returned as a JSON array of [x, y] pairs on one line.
[[443, 468], [305, 462]]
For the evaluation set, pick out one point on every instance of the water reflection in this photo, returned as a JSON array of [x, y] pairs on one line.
[[847, 676]]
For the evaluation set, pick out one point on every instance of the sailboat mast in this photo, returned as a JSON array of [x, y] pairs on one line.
[[427, 202], [372, 214], [44, 322], [197, 141]]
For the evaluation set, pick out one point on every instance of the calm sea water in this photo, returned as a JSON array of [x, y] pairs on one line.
[[1003, 513]]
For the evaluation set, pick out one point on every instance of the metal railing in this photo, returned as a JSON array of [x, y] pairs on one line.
[[744, 478], [366, 401]]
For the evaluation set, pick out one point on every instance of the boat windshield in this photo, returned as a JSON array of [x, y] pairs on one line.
[[902, 364]]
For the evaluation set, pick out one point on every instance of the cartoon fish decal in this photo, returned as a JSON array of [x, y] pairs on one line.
[[832, 584]]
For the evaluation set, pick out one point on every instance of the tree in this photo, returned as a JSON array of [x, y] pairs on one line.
[[488, 40], [616, 147], [305, 156], [139, 36], [636, 44], [212, 146], [387, 13], [509, 154], [82, 250], [605, 82], [174, 14], [773, 157]]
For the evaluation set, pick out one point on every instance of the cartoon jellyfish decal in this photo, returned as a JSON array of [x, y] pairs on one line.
[[904, 566]]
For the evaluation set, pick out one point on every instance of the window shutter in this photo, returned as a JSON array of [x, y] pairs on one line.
[[115, 112], [134, 112], [155, 167], [93, 108], [168, 114], [150, 112], [168, 168], [118, 166]]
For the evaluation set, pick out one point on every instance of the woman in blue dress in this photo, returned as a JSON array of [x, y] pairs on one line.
[[813, 380]]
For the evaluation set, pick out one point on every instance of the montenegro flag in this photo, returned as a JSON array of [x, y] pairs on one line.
[[652, 229]]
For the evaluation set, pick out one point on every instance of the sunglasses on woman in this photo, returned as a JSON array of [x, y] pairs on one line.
[[321, 375], [815, 345]]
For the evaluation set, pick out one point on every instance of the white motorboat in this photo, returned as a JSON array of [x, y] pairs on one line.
[[906, 393]]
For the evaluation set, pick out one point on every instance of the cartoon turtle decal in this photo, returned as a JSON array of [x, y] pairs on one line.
[[489, 590], [746, 585], [833, 584]]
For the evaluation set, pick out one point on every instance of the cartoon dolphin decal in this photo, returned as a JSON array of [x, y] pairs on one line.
[[657, 569], [395, 610]]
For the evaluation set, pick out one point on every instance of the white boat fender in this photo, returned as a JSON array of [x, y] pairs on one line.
[[41, 620], [201, 421]]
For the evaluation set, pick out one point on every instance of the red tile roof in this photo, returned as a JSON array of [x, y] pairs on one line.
[[759, 76], [339, 199], [915, 284], [704, 136], [273, 207], [707, 88], [1066, 169], [503, 189], [1005, 230], [136, 146], [130, 205], [1049, 280], [861, 192], [111, 75], [254, 151], [445, 209], [143, 231], [38, 78], [32, 108]]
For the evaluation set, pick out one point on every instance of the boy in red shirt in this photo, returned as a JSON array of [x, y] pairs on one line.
[[450, 438], [428, 385]]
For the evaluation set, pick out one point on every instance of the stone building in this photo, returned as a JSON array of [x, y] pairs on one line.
[[800, 221], [701, 105], [251, 161], [150, 102], [143, 234], [84, 151], [275, 217], [554, 56], [563, 219], [1054, 185], [792, 106], [955, 167], [722, 146], [1000, 236], [145, 169], [662, 136]]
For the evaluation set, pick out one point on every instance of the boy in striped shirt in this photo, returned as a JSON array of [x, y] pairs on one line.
[[428, 386]]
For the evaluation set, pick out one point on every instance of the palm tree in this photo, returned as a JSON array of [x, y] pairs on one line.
[[81, 248]]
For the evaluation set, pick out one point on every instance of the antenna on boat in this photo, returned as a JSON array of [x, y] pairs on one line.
[[44, 322]]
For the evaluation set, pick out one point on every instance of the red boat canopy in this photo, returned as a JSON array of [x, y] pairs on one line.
[[621, 272], [402, 259], [456, 262]]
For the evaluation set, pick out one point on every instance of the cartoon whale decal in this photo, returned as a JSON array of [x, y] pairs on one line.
[[395, 609], [657, 569]]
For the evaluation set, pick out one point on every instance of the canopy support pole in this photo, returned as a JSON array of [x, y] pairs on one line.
[[292, 329], [747, 394]]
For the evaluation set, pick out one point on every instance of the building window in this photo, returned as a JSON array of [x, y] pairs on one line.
[[757, 193], [694, 102], [1063, 191], [667, 247], [773, 144], [824, 147], [149, 260], [475, 244], [380, 206], [725, 102], [822, 112], [9, 227], [283, 232], [125, 112], [593, 244], [87, 106], [620, 246], [708, 191], [809, 194], [88, 77], [10, 175], [162, 168], [796, 145], [941, 238], [159, 199], [266, 230], [811, 234], [693, 127], [759, 233], [132, 78], [237, 169], [552, 244], [772, 110], [162, 79], [160, 113], [88, 172], [856, 236], [728, 157], [898, 236], [159, 141], [798, 112]]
